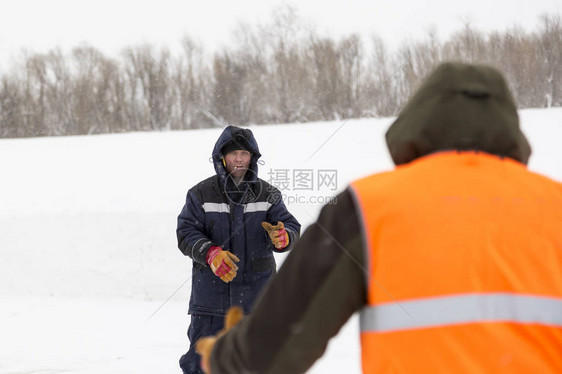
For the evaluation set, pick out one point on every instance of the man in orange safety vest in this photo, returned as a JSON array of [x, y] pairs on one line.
[[453, 259]]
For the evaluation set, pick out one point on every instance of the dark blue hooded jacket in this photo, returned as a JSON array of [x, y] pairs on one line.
[[219, 212]]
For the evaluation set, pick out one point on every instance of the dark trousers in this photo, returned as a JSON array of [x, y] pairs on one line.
[[201, 325]]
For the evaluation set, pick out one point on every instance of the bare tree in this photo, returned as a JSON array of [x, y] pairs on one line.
[[251, 52], [149, 90], [468, 45], [351, 65], [11, 108], [230, 103], [291, 75], [192, 83], [327, 76], [550, 44]]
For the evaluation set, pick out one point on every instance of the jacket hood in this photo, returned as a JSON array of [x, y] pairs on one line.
[[459, 107], [245, 139]]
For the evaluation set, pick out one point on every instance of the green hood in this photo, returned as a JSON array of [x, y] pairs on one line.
[[459, 107]]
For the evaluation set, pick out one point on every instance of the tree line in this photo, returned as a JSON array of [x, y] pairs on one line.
[[281, 72]]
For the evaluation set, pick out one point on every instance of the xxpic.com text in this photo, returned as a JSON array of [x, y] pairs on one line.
[[299, 199]]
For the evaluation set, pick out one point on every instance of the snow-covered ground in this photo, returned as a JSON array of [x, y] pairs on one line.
[[91, 280]]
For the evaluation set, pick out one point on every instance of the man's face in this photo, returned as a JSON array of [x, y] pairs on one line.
[[237, 162]]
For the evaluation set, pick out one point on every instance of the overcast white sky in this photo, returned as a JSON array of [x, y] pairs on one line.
[[110, 25]]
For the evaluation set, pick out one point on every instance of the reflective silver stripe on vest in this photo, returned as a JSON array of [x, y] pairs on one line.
[[216, 207], [257, 207], [462, 309]]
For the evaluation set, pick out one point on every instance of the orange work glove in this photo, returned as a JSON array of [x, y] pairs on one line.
[[204, 346], [222, 263], [277, 234]]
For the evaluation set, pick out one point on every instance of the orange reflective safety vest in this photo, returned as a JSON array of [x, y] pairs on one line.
[[464, 257]]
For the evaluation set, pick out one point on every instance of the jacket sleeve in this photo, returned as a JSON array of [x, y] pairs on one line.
[[319, 286], [192, 240], [279, 212]]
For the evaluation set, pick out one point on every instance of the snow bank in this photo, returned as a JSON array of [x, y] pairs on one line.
[[91, 280]]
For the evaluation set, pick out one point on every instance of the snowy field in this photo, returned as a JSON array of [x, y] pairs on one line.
[[91, 280]]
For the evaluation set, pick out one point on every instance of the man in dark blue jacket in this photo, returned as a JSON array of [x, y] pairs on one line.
[[230, 226]]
